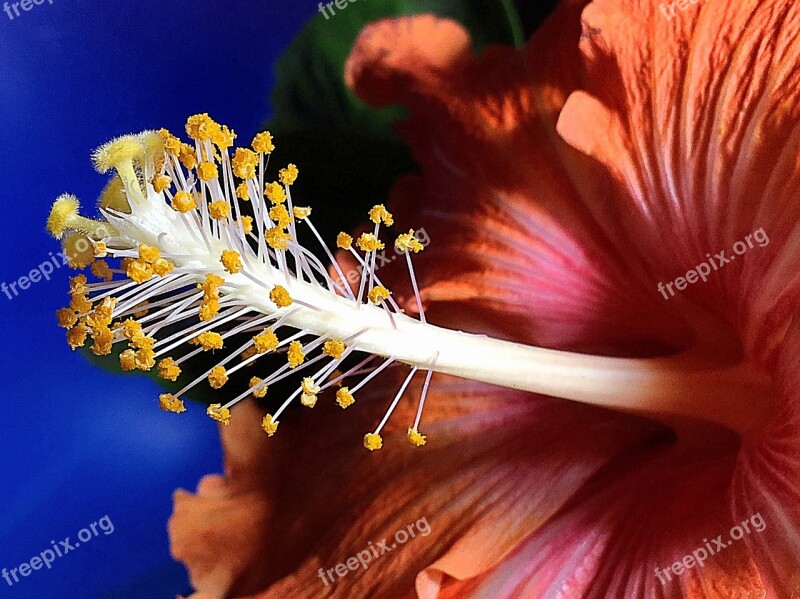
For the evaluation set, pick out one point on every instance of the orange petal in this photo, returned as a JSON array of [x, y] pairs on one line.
[[523, 237], [695, 118]]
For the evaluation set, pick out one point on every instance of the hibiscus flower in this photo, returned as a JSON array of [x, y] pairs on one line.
[[560, 185]]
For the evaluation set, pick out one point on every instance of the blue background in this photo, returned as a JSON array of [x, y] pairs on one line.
[[78, 443]]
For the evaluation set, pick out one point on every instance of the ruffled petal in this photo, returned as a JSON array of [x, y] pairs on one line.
[[696, 118], [494, 469], [520, 237]]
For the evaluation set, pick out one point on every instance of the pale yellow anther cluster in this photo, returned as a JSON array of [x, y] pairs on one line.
[[367, 242], [102, 270], [148, 263], [209, 306], [232, 261], [407, 242], [262, 143], [309, 390], [244, 163], [269, 425], [379, 294], [247, 224], [210, 340], [160, 182], [344, 398], [379, 214], [373, 441], [280, 296], [261, 391], [288, 175], [168, 369], [217, 377], [301, 212], [265, 341], [415, 437], [280, 215], [333, 348], [219, 210], [219, 413], [275, 192], [344, 241], [170, 403], [184, 202], [295, 355]]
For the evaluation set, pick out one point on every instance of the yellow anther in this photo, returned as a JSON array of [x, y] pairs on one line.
[[131, 329], [113, 196], [369, 243], [247, 224], [223, 137], [67, 317], [373, 441], [219, 210], [172, 145], [160, 182], [149, 253], [244, 163], [139, 271], [309, 386], [101, 270], [307, 400], [80, 304], [170, 403], [269, 424], [210, 340], [277, 238], [100, 249], [143, 342], [379, 214], [220, 414], [117, 152], [145, 359], [262, 143], [207, 171], [217, 377], [296, 355], [333, 348], [288, 175], [280, 215], [242, 192], [188, 157], [210, 286], [232, 261], [162, 267], [261, 392], [76, 336], [416, 438], [103, 338], [168, 369], [77, 285], [200, 127], [379, 294], [265, 341], [184, 202], [301, 212], [127, 360], [344, 398], [407, 242], [79, 250], [344, 241], [275, 193], [208, 309], [280, 297]]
